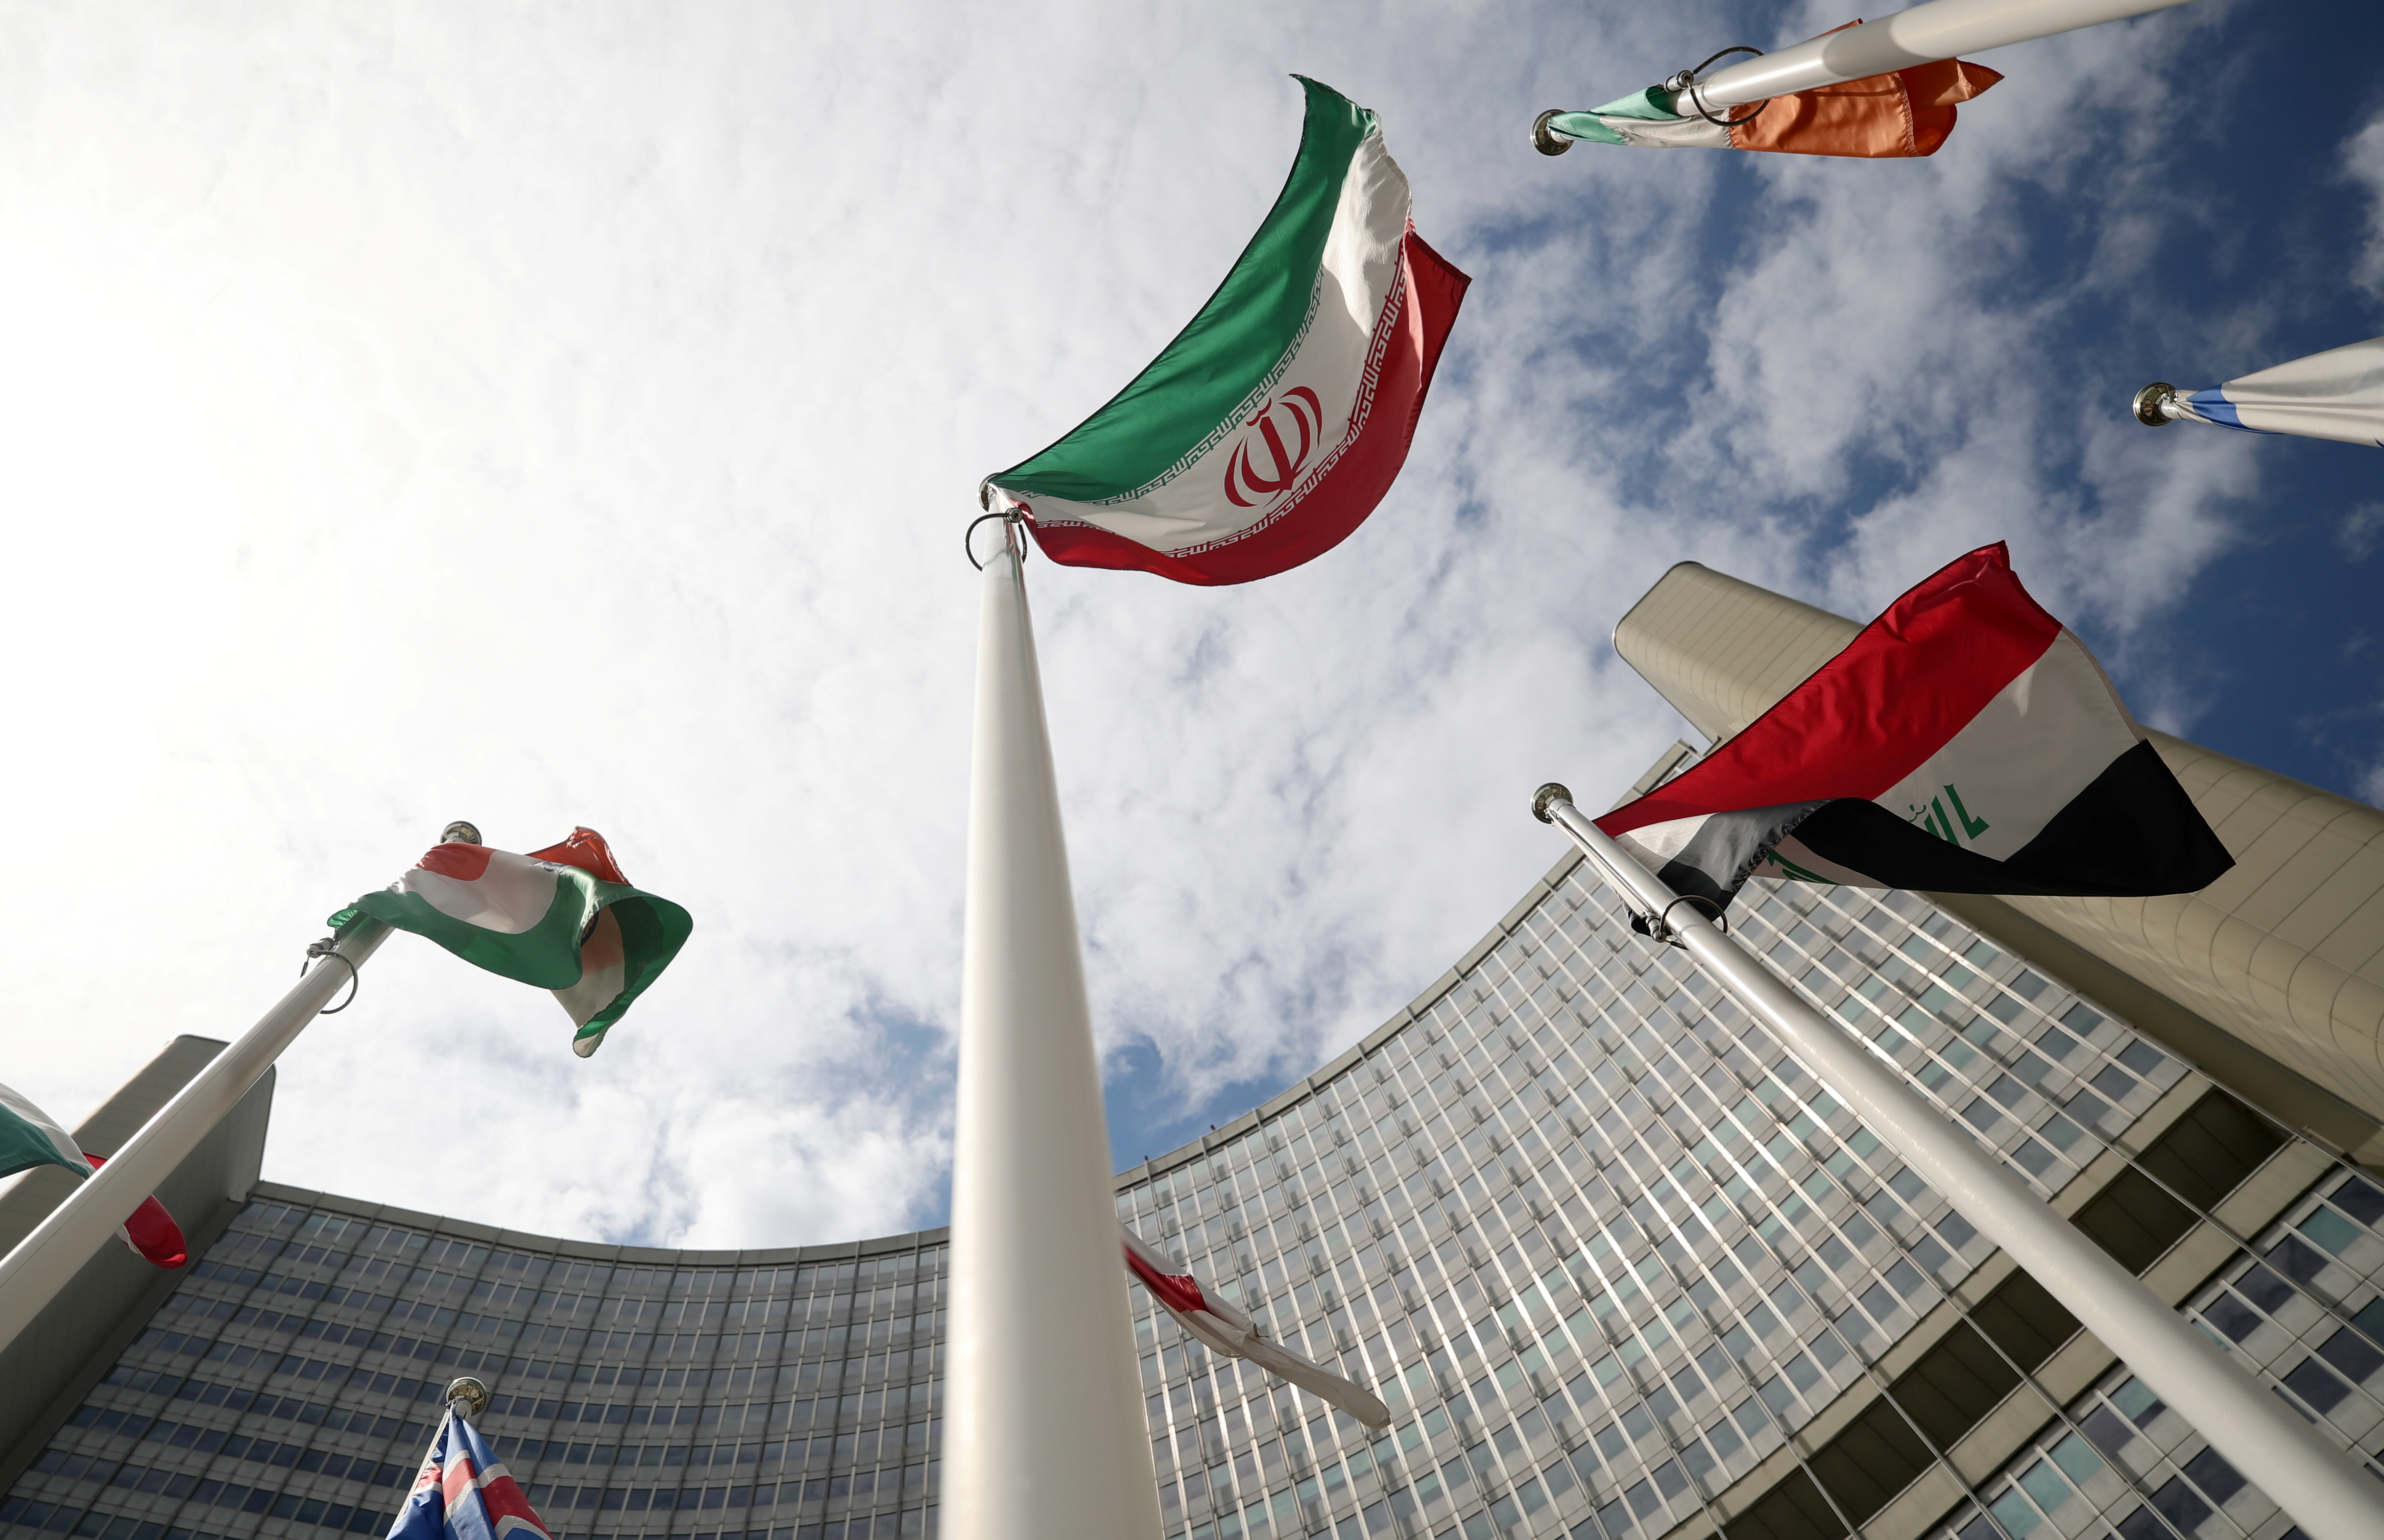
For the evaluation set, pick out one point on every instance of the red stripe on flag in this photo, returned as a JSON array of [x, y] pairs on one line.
[[1339, 502], [587, 850], [150, 1231], [1178, 1291], [465, 863], [1872, 715]]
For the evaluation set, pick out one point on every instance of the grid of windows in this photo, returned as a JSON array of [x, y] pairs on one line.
[[1597, 1240], [290, 1383], [2303, 1310]]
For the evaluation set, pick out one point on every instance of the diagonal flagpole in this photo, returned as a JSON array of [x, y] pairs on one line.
[[2326, 1493], [1938, 30], [47, 1260], [1047, 1438]]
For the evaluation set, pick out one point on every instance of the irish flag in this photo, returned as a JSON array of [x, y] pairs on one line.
[[1274, 423], [1904, 113], [563, 919], [1964, 742], [29, 1137]]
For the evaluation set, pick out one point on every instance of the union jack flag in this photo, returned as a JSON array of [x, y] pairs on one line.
[[465, 1493]]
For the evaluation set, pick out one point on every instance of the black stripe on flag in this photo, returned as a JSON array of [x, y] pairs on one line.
[[2132, 834]]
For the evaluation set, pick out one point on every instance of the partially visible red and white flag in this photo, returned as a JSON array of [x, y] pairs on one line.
[[1223, 1329], [29, 1137], [1964, 742]]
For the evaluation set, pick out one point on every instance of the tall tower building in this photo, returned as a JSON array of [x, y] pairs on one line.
[[1619, 1267]]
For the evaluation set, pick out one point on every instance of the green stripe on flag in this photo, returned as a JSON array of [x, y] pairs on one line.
[[30, 1138], [652, 929], [546, 955], [1231, 347]]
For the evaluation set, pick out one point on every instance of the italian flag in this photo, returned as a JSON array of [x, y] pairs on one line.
[[563, 919], [29, 1137], [1904, 113], [1964, 742], [1274, 422]]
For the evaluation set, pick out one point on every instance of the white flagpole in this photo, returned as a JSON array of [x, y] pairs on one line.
[[47, 1260], [2326, 1493], [1047, 1438], [1940, 30]]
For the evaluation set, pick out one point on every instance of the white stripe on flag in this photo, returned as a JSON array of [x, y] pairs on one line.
[[512, 896], [2024, 757]]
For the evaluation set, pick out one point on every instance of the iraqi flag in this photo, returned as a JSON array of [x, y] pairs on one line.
[[563, 919], [29, 1137], [1223, 1329], [1964, 742], [1904, 113], [2338, 394], [464, 1492], [1276, 422]]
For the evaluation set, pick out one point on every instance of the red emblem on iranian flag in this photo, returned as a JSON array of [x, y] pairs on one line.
[[1274, 422]]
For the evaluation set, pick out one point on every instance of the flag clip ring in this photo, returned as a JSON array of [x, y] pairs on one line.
[[1686, 83], [1662, 929], [330, 947], [1009, 515]]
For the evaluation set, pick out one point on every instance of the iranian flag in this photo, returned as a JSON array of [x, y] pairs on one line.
[[29, 1137], [563, 919], [1901, 114], [1964, 742], [1216, 1323], [1274, 422]]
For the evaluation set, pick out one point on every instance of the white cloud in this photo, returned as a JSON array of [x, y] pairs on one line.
[[2363, 164], [548, 418]]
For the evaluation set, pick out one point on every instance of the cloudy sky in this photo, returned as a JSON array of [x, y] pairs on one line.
[[553, 415]]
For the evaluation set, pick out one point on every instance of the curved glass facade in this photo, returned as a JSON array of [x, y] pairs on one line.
[[1621, 1268]]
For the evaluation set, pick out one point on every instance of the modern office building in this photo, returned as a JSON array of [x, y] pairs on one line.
[[1622, 1269]]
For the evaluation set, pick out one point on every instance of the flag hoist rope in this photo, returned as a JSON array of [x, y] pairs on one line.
[[1940, 30], [47, 1260], [1044, 1434], [2324, 1490]]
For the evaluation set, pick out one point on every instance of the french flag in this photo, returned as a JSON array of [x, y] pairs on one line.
[[465, 1493], [1964, 742]]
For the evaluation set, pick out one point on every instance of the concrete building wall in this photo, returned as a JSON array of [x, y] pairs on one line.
[[2272, 978], [1620, 1269]]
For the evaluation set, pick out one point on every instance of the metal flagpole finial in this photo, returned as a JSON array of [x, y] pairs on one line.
[[2152, 404], [1547, 140], [460, 832], [1546, 796], [468, 1396]]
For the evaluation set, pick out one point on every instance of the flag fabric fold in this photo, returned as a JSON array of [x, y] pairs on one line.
[[563, 919], [2338, 394], [1276, 420], [464, 1492], [1903, 113], [1964, 742], [1223, 1328], [29, 1137]]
